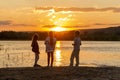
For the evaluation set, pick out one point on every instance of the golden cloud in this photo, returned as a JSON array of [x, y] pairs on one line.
[[90, 9]]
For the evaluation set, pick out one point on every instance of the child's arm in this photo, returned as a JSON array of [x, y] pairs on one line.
[[80, 42], [46, 41], [75, 42], [32, 44]]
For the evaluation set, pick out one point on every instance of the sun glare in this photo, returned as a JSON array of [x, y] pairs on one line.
[[58, 29]]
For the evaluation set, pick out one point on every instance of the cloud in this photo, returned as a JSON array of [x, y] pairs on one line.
[[91, 9], [5, 22], [10, 23], [100, 24], [25, 25], [49, 26]]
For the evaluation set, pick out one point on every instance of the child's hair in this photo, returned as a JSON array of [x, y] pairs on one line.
[[77, 33], [51, 37], [35, 37]]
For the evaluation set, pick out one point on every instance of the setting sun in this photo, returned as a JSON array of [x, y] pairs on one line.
[[58, 29]]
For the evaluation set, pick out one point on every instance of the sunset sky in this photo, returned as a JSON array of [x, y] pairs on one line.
[[39, 15]]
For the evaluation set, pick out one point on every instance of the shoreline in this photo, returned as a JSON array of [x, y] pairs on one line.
[[60, 73]]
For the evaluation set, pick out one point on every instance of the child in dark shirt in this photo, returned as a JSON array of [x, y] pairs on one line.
[[35, 48]]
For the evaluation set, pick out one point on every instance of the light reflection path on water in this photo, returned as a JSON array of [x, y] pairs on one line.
[[57, 54]]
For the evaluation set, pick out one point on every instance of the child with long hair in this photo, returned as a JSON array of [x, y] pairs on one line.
[[50, 43], [35, 48]]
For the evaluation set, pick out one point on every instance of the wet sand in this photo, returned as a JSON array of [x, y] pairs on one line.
[[60, 73]]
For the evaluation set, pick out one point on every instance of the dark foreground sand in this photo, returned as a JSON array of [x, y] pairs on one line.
[[60, 73]]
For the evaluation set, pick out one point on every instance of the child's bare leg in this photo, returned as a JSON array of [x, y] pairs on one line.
[[36, 58], [52, 58], [48, 58]]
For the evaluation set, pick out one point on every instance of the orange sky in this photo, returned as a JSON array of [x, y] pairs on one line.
[[37, 15]]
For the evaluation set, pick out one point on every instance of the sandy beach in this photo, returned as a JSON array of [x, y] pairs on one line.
[[60, 73]]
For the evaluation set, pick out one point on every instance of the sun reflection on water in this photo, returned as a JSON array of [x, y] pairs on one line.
[[58, 57], [58, 44]]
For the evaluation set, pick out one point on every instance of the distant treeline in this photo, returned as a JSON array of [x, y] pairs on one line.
[[105, 34], [12, 35]]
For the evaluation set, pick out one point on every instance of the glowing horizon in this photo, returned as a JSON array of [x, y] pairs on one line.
[[58, 29]]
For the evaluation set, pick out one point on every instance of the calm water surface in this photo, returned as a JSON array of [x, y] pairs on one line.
[[93, 53]]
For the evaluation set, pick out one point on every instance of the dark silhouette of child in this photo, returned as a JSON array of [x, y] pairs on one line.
[[76, 50], [35, 48]]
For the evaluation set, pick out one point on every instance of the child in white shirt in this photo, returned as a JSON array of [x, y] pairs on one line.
[[50, 43], [76, 50]]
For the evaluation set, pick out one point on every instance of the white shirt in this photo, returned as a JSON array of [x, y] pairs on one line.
[[50, 48], [77, 43]]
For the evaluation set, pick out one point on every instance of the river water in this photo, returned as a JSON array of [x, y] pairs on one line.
[[92, 53]]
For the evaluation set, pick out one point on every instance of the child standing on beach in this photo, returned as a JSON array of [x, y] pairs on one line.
[[50, 43], [35, 48], [76, 50]]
